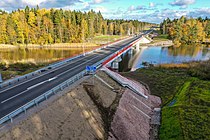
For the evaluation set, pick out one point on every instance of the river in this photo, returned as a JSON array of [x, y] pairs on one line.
[[130, 61], [133, 60], [37, 55]]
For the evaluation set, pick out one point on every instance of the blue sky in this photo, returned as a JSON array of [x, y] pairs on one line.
[[144, 10]]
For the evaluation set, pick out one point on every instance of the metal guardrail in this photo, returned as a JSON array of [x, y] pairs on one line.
[[47, 94], [35, 73], [125, 82], [42, 97], [51, 92]]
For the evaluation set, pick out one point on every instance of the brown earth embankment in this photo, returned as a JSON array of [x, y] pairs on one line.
[[91, 110]]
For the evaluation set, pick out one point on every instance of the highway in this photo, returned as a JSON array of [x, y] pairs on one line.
[[22, 93]]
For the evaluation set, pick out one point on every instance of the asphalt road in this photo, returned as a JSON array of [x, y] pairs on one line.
[[16, 96]]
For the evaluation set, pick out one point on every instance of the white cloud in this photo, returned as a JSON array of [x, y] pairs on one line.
[[98, 1], [101, 9], [139, 8], [131, 8], [151, 4], [59, 3], [94, 4], [86, 4], [150, 13], [182, 3], [10, 5], [33, 2], [158, 16], [201, 12]]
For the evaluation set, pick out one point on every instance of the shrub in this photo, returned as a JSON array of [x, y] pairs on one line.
[[201, 70]]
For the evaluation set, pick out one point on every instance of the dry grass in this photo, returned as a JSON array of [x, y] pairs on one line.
[[174, 65]]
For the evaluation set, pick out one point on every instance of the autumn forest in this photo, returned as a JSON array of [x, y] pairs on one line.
[[187, 30], [42, 26]]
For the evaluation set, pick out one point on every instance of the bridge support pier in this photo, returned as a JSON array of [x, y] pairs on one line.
[[138, 47], [130, 51], [115, 63]]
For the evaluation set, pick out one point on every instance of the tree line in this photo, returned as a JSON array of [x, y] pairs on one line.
[[42, 26], [187, 30]]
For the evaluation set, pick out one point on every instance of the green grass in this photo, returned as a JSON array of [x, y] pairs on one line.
[[103, 39], [161, 37], [13, 70], [161, 81], [181, 95], [185, 99], [170, 125]]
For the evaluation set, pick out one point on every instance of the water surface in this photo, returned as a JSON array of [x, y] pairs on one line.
[[162, 55], [37, 55]]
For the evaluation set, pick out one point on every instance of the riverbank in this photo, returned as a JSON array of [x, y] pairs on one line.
[[185, 93], [166, 43], [89, 43], [9, 71], [161, 40]]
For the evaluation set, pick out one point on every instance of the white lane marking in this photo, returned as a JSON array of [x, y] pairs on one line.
[[52, 79], [13, 97], [41, 83], [76, 66], [42, 75], [45, 81], [28, 89], [36, 85]]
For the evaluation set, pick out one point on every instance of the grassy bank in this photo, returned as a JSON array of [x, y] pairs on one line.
[[185, 93], [161, 38], [17, 69]]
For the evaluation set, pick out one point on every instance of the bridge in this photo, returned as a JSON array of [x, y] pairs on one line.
[[19, 94], [116, 58]]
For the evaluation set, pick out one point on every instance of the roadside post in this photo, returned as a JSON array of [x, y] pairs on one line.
[[1, 80], [91, 70]]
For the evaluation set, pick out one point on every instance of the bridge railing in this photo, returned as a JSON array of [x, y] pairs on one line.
[[49, 93]]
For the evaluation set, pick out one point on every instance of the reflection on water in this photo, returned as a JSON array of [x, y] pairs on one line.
[[38, 55], [161, 55]]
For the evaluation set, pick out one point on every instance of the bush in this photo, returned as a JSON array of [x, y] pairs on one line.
[[201, 70], [21, 66], [3, 66]]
